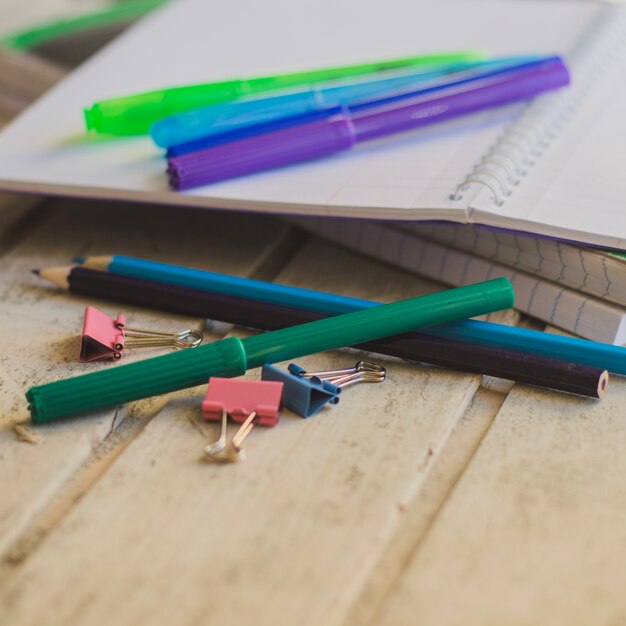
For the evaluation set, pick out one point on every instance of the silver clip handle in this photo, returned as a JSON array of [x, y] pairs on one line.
[[362, 372], [145, 338]]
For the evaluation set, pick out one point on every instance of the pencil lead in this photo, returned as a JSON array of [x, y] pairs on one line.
[[36, 272], [79, 260]]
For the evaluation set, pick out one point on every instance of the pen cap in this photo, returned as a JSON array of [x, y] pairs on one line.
[[263, 152], [494, 91], [497, 69]]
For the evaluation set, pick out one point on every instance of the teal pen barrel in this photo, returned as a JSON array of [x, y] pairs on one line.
[[379, 321], [231, 357], [142, 379]]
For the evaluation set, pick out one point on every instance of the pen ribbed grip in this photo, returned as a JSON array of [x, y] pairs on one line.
[[264, 152], [492, 92], [149, 377]]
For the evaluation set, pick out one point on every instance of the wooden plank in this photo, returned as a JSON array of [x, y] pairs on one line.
[[420, 514], [23, 78], [287, 537], [535, 531], [41, 342]]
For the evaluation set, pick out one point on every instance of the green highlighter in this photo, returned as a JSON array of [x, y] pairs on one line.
[[233, 356], [135, 114], [128, 11]]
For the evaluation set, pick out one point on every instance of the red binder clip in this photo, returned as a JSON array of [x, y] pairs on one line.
[[239, 398], [105, 337], [248, 402]]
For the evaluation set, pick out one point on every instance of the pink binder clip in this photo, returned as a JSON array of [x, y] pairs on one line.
[[240, 398], [105, 337]]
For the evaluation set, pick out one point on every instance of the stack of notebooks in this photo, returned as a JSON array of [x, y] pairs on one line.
[[579, 289], [533, 190]]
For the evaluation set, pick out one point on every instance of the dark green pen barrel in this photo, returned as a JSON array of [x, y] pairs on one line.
[[381, 321], [142, 379], [231, 357]]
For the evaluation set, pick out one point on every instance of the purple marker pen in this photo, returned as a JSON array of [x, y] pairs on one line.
[[338, 133]]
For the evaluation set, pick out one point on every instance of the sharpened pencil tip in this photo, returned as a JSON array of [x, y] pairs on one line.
[[79, 260], [36, 272]]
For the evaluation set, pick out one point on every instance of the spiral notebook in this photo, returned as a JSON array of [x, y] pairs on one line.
[[552, 167]]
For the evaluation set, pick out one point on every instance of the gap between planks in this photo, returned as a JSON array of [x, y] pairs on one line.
[[534, 531], [419, 515]]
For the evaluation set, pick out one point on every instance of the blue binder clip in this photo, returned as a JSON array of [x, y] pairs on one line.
[[306, 393], [304, 396]]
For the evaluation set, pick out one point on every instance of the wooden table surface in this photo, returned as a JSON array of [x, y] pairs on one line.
[[436, 498]]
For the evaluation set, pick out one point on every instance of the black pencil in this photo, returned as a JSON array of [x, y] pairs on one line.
[[462, 356]]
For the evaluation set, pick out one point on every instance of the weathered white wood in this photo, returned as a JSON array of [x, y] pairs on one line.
[[534, 533], [41, 326], [287, 537]]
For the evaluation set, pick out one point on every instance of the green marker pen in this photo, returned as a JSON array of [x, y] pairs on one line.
[[232, 356], [135, 114]]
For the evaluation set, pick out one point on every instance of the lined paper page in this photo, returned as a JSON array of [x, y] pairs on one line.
[[577, 188]]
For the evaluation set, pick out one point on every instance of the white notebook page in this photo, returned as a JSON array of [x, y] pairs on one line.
[[402, 177], [578, 185]]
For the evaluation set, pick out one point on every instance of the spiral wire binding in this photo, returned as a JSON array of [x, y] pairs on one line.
[[540, 122]]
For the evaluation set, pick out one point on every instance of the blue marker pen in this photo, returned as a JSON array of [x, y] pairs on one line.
[[220, 118]]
